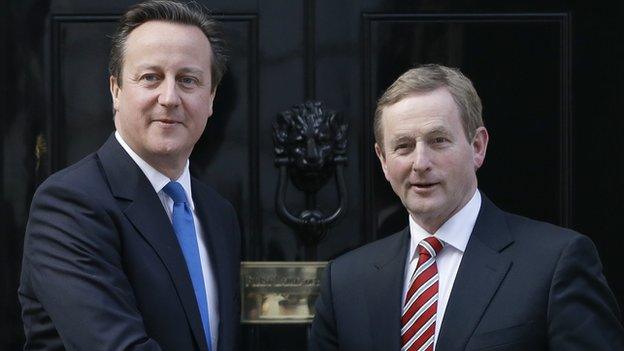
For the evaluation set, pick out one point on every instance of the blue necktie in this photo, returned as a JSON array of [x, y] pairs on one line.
[[182, 219]]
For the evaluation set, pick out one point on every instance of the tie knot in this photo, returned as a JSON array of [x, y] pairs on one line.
[[430, 246], [175, 192]]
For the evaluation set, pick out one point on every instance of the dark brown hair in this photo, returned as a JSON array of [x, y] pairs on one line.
[[169, 11]]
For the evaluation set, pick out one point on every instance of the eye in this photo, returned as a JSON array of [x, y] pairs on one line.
[[439, 140], [406, 144], [150, 77], [188, 81], [403, 148]]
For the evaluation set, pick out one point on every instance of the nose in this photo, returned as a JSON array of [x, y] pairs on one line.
[[421, 161], [169, 96]]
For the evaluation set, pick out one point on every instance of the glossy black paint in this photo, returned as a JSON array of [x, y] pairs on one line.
[[310, 148], [548, 73]]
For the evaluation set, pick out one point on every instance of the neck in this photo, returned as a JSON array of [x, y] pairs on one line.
[[171, 167], [433, 221], [430, 225]]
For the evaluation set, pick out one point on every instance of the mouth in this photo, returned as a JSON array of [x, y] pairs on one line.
[[166, 122], [423, 186]]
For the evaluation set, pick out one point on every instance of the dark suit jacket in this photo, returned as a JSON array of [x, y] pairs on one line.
[[522, 285], [102, 268]]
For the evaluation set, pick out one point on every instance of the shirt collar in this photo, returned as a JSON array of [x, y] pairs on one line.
[[454, 232], [157, 179]]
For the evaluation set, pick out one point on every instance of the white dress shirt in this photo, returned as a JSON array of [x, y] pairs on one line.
[[158, 181], [455, 233]]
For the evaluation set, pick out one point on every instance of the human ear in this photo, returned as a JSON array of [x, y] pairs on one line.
[[479, 146], [382, 158], [213, 93], [114, 91]]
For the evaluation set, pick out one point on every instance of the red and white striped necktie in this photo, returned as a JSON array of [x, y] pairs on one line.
[[421, 302]]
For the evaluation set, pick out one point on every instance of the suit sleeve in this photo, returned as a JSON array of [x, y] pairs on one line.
[[324, 334], [73, 275], [582, 313]]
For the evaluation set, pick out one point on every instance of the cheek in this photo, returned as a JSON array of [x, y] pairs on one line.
[[199, 122], [461, 169], [135, 104], [199, 110], [398, 169]]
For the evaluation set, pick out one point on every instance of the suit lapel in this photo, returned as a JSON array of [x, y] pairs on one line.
[[217, 251], [214, 241], [384, 295], [146, 213], [480, 273]]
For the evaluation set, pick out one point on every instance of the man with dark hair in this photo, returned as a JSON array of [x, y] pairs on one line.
[[124, 250], [463, 275]]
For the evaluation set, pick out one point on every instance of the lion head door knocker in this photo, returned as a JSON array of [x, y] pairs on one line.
[[310, 148]]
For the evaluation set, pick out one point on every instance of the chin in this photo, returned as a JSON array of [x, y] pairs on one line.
[[165, 149], [423, 207]]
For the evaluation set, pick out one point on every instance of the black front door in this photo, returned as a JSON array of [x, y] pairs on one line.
[[547, 73]]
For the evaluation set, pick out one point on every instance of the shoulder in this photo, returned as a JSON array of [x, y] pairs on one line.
[[527, 229], [499, 228], [539, 241], [548, 241], [81, 178], [71, 211], [377, 252]]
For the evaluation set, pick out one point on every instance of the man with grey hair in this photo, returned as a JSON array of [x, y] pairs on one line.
[[124, 250], [464, 275]]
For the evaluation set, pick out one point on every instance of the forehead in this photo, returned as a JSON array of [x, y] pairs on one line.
[[166, 39], [422, 112]]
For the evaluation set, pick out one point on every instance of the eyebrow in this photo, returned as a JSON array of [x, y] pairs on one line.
[[182, 70], [192, 70], [438, 130], [400, 139]]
